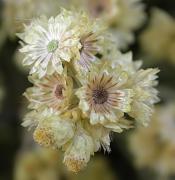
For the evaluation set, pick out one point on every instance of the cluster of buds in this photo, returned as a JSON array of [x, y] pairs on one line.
[[83, 87]]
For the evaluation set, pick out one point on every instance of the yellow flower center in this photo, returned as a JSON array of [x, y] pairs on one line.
[[44, 137]]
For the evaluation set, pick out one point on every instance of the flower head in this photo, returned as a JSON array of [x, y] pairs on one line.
[[145, 95], [92, 40], [143, 83], [52, 91], [103, 96], [50, 42]]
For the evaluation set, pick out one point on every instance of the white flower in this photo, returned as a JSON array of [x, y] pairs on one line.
[[48, 43], [92, 40], [145, 95], [83, 88], [102, 95], [52, 91], [142, 82]]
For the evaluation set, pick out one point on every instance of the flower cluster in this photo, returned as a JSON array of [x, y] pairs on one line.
[[154, 147], [157, 40], [83, 88]]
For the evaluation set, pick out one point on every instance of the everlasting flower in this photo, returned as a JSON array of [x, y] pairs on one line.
[[53, 91], [145, 95], [92, 40], [48, 43], [107, 92], [85, 90], [103, 96], [143, 83]]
